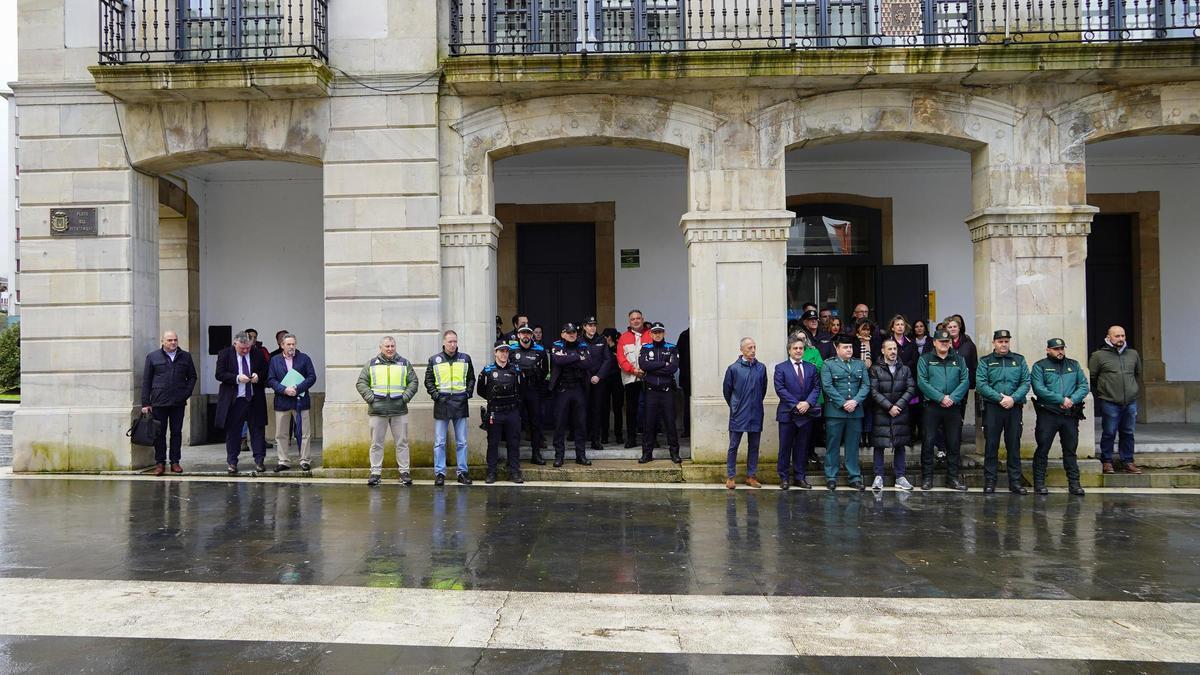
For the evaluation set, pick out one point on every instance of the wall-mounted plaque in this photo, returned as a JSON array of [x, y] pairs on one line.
[[631, 257], [73, 222]]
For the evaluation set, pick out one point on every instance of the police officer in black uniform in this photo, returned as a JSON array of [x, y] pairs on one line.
[[600, 364], [569, 384], [660, 360], [531, 358], [500, 384]]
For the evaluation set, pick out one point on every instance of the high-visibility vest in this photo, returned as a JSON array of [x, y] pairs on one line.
[[450, 376], [389, 379]]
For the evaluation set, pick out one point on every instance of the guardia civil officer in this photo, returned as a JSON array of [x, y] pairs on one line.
[[944, 381], [845, 383], [660, 361], [500, 384], [568, 384], [1002, 382], [534, 363], [1060, 386], [600, 364]]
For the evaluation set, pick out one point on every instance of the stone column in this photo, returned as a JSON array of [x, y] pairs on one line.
[[737, 279], [179, 287], [468, 252], [90, 303]]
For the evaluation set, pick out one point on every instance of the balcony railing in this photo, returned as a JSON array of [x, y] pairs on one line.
[[183, 31], [579, 26]]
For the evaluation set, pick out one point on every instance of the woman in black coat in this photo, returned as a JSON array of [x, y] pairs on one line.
[[892, 389]]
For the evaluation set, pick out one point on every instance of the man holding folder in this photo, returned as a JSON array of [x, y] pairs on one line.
[[291, 375]]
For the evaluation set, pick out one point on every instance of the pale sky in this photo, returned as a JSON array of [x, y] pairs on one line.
[[8, 73]]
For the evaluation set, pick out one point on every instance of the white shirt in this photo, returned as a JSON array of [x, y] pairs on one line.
[[171, 355], [244, 389]]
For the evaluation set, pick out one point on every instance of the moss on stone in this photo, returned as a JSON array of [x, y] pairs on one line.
[[358, 455], [58, 457]]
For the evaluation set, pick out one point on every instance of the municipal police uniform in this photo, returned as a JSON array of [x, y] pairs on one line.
[[535, 366], [1053, 381], [568, 384], [600, 364], [501, 387], [660, 360], [997, 376]]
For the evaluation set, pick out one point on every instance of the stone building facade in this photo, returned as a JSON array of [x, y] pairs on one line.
[[408, 131]]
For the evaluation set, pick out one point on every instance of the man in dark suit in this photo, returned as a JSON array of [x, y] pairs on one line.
[[242, 372], [797, 385], [167, 381]]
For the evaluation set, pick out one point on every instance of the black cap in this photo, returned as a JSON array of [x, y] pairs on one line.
[[590, 320], [525, 329], [1002, 335], [941, 335], [843, 339], [657, 325], [810, 314], [501, 344], [569, 327], [1055, 343]]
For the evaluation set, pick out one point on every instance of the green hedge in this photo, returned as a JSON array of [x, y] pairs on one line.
[[10, 358]]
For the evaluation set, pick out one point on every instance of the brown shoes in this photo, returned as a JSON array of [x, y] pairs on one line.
[[175, 468], [160, 469], [1130, 467], [753, 482], [730, 484], [1106, 467]]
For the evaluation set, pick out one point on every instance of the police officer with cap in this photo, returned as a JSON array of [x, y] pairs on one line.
[[500, 384], [1060, 387], [601, 362], [569, 383], [818, 338], [944, 380], [1002, 382], [660, 361], [534, 363]]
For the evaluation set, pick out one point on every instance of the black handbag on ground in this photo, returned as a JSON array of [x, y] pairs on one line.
[[144, 430]]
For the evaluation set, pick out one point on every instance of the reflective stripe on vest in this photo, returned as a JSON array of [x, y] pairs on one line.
[[451, 377], [389, 379]]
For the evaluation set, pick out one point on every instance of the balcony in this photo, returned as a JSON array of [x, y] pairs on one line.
[[499, 27], [154, 50]]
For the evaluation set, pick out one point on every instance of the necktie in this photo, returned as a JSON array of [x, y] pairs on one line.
[[246, 372], [799, 373]]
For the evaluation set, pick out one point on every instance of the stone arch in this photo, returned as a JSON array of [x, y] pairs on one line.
[[525, 126], [1145, 110], [165, 137]]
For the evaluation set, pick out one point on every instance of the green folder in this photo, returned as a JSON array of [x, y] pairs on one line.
[[292, 379]]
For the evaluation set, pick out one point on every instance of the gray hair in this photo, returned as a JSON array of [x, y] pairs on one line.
[[386, 339], [286, 336], [797, 338], [242, 337], [743, 341]]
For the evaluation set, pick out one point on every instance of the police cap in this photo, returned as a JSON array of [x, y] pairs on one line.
[[1001, 335], [657, 327], [590, 321], [525, 329], [1055, 343], [569, 327], [941, 335], [810, 314], [501, 344]]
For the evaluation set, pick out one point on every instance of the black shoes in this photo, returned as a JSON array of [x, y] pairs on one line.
[[373, 480], [831, 485], [231, 469], [464, 479], [596, 445], [582, 460], [1075, 489], [676, 458], [536, 458], [620, 438], [491, 478], [956, 483], [784, 484], [927, 483], [630, 443], [259, 467], [516, 477], [281, 467], [857, 485], [305, 465], [405, 479], [645, 458], [1040, 488], [439, 480], [558, 461], [803, 484], [1018, 489], [989, 487]]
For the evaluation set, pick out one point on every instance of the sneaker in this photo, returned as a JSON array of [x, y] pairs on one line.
[[405, 479], [305, 465], [877, 484], [231, 469], [439, 480], [903, 484], [373, 480]]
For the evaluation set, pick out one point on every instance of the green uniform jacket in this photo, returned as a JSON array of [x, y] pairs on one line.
[[938, 377], [387, 407], [1115, 374], [842, 381], [1054, 381], [999, 376], [813, 356]]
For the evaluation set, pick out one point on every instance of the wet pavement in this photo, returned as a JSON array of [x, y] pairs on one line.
[[1114, 546]]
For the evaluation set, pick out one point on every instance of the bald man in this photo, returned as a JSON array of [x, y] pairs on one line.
[[1115, 370], [167, 381]]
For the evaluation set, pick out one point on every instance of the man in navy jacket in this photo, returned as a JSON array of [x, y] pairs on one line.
[[167, 381], [745, 387], [291, 399], [798, 385]]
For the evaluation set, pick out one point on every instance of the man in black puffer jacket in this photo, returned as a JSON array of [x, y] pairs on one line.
[[167, 382], [892, 389]]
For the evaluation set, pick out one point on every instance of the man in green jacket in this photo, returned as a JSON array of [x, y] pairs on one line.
[[845, 384], [387, 383], [944, 381], [1115, 370], [1060, 388], [1002, 382]]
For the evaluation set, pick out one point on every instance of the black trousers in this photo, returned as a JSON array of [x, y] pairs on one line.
[[570, 407], [687, 410], [660, 411], [240, 413], [1067, 428], [999, 422], [504, 425], [946, 423], [612, 404], [633, 399], [530, 410], [168, 416], [596, 419]]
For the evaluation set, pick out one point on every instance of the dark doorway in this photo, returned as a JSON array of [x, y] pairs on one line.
[[556, 273], [1111, 273], [903, 289]]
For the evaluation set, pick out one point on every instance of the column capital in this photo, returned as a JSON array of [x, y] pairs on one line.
[[726, 226], [1031, 221], [479, 230]]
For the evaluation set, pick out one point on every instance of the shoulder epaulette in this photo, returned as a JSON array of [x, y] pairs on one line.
[[489, 367], [559, 343], [538, 348]]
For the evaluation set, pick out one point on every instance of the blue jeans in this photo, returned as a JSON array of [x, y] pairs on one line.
[[1116, 418], [439, 444], [735, 440]]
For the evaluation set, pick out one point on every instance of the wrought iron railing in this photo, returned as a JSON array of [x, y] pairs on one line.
[[158, 31], [566, 26]]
